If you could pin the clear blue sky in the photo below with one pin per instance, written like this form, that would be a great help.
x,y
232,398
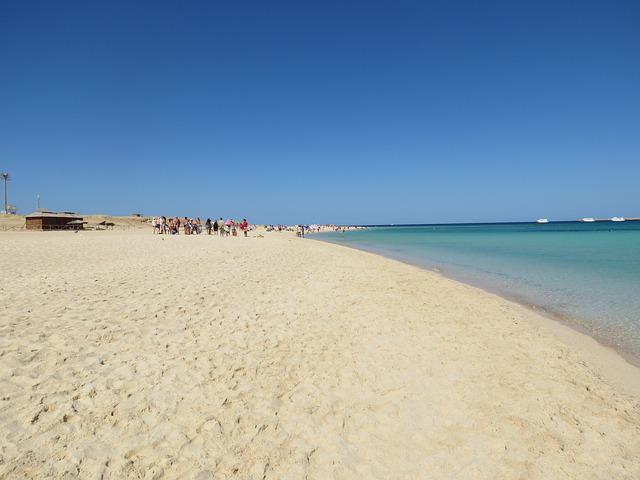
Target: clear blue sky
x,y
350,112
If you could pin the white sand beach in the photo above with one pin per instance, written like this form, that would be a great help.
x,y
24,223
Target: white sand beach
x,y
131,355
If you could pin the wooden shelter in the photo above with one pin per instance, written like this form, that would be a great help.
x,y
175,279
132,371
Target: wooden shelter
x,y
54,221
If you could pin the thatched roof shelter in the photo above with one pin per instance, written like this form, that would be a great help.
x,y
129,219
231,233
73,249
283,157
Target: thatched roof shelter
x,y
44,220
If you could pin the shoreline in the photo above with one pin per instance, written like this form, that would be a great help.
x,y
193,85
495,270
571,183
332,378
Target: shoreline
x,y
618,365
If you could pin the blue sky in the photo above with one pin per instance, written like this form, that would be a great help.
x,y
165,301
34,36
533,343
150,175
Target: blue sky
x,y
347,112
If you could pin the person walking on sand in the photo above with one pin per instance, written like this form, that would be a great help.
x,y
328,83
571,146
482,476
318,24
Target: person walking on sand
x,y
244,226
215,227
207,225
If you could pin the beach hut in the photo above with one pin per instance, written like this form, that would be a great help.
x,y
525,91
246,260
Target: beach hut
x,y
54,221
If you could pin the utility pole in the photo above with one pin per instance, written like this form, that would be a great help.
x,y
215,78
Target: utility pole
x,y
5,177
37,202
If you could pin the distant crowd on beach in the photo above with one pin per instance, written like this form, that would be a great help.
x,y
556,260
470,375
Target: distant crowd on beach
x,y
301,230
194,226
190,226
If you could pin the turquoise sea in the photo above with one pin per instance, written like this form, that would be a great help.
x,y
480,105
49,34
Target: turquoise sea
x,y
586,273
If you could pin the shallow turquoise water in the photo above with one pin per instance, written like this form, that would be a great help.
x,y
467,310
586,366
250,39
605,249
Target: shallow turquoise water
x,y
586,272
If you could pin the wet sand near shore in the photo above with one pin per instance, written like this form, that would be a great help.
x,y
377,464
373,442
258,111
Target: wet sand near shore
x,y
618,365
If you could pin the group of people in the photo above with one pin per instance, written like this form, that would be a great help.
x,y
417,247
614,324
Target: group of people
x,y
171,226
298,229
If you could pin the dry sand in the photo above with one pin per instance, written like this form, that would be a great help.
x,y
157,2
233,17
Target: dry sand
x,y
129,355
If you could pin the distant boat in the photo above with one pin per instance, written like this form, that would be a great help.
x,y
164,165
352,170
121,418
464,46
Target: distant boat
x,y
618,219
588,219
543,220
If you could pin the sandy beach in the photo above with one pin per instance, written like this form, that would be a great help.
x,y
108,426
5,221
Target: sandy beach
x,y
130,355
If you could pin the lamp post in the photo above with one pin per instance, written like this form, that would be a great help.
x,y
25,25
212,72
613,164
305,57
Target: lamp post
x,y
5,177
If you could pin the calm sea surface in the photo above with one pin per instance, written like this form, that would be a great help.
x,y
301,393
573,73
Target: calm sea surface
x,y
588,273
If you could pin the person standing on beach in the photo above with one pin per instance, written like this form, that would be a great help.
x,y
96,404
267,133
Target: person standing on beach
x,y
207,225
215,227
244,226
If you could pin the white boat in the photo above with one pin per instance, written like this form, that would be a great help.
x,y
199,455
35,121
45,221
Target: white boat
x,y
617,219
542,220
588,219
